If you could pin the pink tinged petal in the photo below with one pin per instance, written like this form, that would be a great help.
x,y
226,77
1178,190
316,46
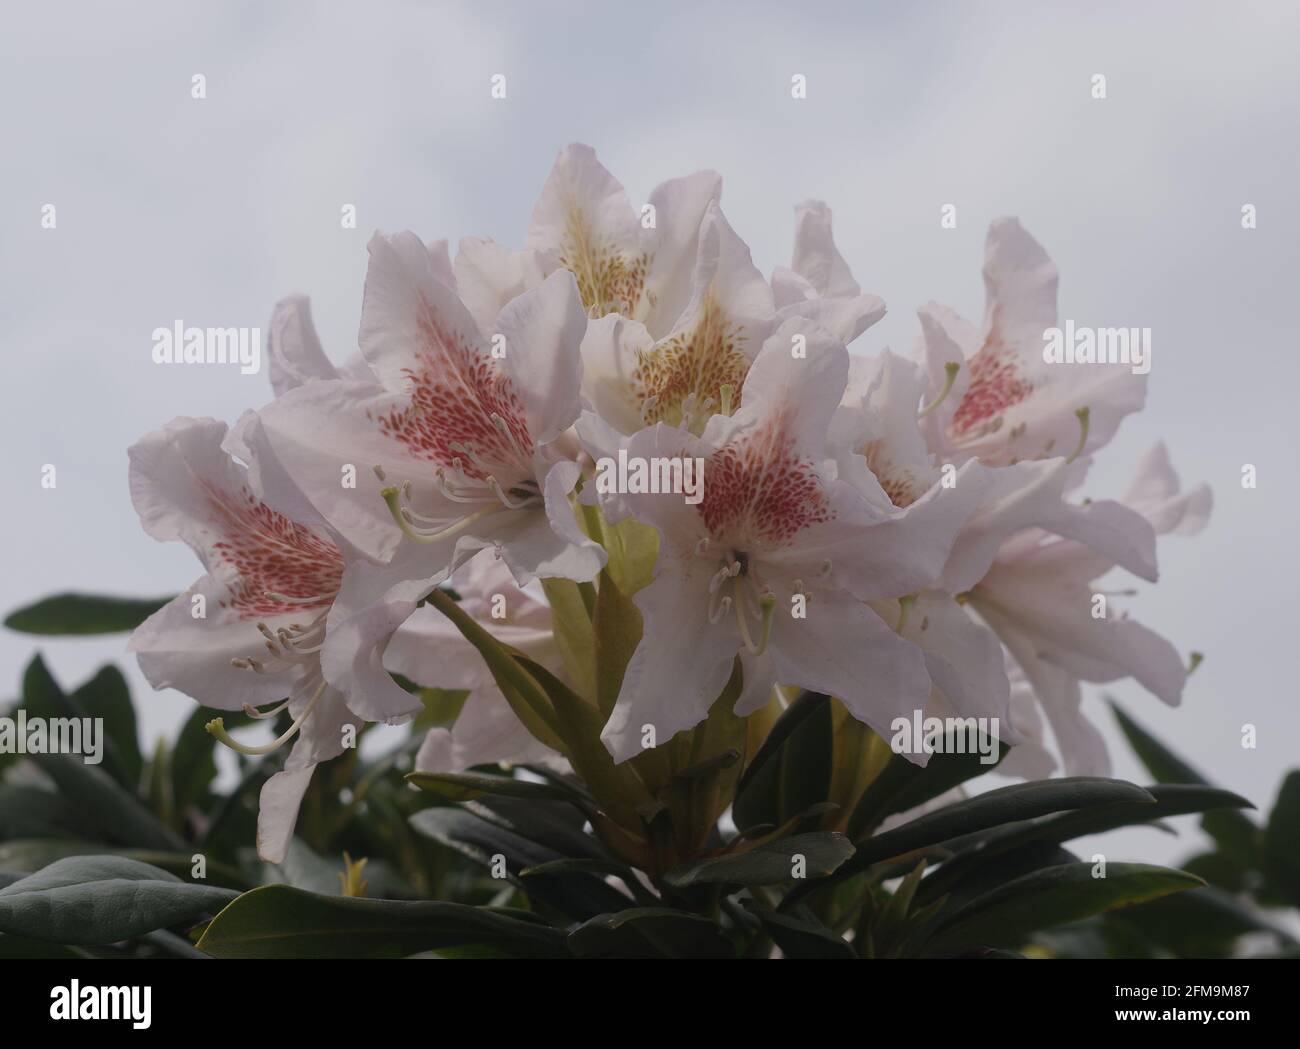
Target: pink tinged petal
x,y
1030,758
440,262
1029,495
488,275
1083,750
946,339
1017,406
184,485
375,601
790,288
277,812
846,319
845,650
551,544
311,445
355,369
543,331
410,319
330,728
584,219
798,393
680,205
879,555
681,664
677,521
1020,286
720,332
423,343
429,650
758,680
1156,494
964,659
885,392
176,650
486,733
1122,535
293,348
815,256
611,350
1059,622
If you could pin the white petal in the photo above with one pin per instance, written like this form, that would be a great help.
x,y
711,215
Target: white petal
x,y
845,650
815,256
293,347
551,544
277,812
489,275
681,665
176,650
543,330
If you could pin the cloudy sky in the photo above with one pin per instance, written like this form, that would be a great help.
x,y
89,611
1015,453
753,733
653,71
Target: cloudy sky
x,y
207,211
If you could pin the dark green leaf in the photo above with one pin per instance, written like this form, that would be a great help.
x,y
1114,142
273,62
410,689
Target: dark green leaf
x,y
277,921
579,896
1047,897
102,899
650,932
1282,841
120,816
792,770
24,948
84,614
466,786
107,696
1020,801
1171,799
30,812
770,863
1202,923
904,785
802,936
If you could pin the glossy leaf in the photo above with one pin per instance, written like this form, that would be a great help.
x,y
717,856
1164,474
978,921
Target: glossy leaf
x,y
277,921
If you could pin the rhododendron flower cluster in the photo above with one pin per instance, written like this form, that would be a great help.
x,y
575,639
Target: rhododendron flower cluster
x,y
901,531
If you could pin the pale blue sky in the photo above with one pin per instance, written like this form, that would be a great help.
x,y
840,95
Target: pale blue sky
x,y
209,211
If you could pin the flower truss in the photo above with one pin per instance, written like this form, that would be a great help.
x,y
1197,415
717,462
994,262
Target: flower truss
x,y
641,512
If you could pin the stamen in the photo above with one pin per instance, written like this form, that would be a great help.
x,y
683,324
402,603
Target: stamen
x,y
402,516
1083,416
767,604
725,392
495,487
720,577
950,376
702,547
379,472
253,712
648,406
904,607
500,423
217,727
1194,661
716,614
285,599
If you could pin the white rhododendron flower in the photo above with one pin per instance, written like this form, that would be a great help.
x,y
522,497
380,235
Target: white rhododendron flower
x,y
438,511
249,632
